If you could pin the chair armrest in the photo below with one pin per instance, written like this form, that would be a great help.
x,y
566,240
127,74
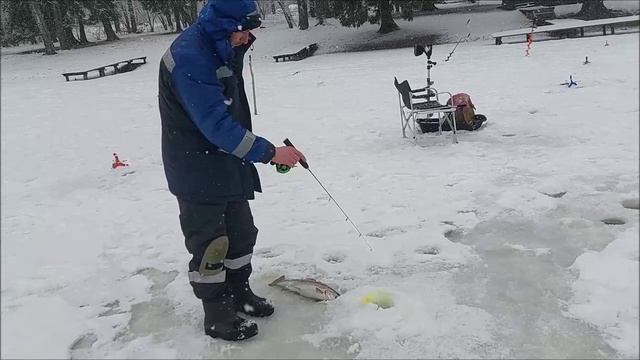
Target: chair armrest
x,y
418,90
446,93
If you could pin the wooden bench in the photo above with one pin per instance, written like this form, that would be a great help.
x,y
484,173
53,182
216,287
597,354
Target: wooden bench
x,y
119,67
514,4
302,54
539,14
574,24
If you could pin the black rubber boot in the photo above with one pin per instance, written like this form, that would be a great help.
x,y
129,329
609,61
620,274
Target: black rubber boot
x,y
221,321
249,303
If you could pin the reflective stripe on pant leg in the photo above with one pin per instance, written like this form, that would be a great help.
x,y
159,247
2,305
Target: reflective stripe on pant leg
x,y
237,263
218,278
242,235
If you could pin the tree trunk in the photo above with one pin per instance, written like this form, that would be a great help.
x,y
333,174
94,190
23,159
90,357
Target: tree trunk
x,y
151,19
163,21
108,30
312,8
303,15
68,34
36,10
81,30
287,14
194,11
321,10
122,4
127,24
273,7
185,15
116,23
49,18
132,16
593,9
387,24
65,44
167,16
176,15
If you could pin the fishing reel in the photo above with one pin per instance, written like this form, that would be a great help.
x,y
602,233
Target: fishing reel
x,y
281,168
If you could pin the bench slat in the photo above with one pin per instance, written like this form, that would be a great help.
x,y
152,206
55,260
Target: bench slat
x,y
610,21
101,69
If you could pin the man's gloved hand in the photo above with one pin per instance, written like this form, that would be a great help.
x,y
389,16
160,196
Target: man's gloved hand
x,y
287,155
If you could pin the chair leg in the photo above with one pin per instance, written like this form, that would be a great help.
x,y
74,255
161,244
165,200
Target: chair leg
x,y
414,130
402,118
452,123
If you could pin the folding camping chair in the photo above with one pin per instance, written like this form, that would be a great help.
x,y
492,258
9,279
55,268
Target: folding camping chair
x,y
410,109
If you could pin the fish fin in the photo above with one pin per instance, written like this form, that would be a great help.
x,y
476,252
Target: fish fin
x,y
276,281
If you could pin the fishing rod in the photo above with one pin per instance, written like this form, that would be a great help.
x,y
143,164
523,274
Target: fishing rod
x,y
454,48
253,82
284,169
458,43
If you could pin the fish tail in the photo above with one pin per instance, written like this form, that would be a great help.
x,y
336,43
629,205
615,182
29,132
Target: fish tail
x,y
276,281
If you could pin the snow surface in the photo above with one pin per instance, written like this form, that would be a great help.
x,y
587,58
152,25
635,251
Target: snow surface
x,y
483,254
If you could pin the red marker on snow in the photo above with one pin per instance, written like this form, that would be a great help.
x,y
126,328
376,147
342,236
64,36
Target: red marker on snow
x,y
116,162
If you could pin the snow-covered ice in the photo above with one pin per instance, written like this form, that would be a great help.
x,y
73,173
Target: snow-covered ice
x,y
493,247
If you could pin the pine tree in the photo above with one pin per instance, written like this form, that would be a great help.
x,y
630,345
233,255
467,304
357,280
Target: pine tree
x,y
18,23
322,8
170,10
355,13
105,12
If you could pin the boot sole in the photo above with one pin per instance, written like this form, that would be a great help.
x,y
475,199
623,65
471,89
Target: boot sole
x,y
255,315
216,336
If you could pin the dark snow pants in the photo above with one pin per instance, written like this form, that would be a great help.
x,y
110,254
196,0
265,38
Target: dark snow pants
x,y
221,238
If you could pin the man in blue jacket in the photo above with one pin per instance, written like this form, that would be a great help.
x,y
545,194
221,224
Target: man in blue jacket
x,y
208,151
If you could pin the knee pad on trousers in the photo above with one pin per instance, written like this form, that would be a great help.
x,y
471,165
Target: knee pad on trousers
x,y
213,257
211,269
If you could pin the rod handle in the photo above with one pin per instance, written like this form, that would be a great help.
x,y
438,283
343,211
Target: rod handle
x,y
302,162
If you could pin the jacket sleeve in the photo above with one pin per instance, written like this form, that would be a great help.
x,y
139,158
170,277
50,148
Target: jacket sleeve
x,y
201,93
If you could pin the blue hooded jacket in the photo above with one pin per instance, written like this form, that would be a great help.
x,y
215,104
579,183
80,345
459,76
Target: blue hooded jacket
x,y
207,144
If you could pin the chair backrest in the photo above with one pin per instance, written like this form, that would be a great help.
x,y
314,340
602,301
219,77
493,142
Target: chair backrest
x,y
405,91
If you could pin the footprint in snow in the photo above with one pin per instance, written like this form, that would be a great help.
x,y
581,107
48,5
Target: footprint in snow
x,y
83,342
556,195
113,308
614,221
386,231
428,250
268,253
454,235
334,258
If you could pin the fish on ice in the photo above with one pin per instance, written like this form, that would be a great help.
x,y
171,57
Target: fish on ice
x,y
308,288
